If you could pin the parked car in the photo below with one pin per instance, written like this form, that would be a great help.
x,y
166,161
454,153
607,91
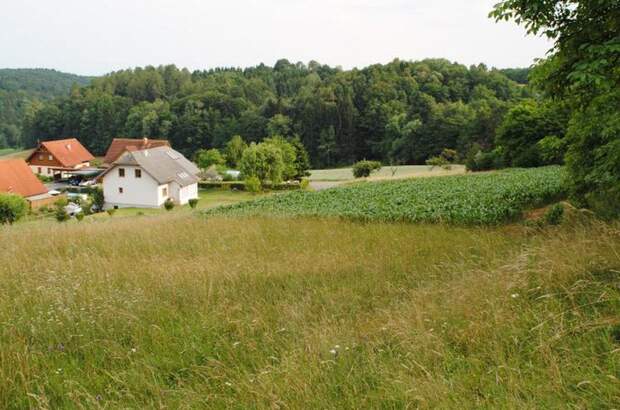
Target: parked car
x,y
73,209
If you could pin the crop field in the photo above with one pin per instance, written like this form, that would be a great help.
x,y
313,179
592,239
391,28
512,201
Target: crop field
x,y
487,198
386,172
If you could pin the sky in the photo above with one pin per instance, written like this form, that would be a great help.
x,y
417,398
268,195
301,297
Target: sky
x,y
93,37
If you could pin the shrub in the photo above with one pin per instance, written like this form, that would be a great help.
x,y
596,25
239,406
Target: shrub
x,y
554,214
253,185
60,214
364,168
304,183
169,204
79,217
12,208
438,161
98,198
478,160
193,203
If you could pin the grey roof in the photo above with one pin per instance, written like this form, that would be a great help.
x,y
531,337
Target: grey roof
x,y
162,163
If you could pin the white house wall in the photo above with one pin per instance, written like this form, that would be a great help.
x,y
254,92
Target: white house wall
x,y
187,193
142,192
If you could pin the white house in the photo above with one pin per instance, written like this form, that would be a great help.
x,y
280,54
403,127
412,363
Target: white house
x,y
147,178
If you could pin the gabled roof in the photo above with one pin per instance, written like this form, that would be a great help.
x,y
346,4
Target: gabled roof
x,y
16,177
120,145
69,152
162,163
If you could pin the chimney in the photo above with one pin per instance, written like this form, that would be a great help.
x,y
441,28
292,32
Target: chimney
x,y
69,147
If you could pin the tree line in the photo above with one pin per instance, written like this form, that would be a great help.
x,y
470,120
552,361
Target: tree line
x,y
402,112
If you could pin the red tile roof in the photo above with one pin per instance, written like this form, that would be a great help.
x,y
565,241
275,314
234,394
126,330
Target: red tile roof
x,y
69,152
120,145
16,177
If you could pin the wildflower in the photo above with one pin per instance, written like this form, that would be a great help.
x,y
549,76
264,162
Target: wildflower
x,y
333,351
337,347
133,350
236,344
228,384
514,295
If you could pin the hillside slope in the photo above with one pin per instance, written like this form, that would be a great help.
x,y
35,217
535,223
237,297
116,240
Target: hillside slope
x,y
20,87
297,313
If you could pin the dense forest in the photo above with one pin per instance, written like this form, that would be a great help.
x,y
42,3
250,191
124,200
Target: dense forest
x,y
24,89
401,112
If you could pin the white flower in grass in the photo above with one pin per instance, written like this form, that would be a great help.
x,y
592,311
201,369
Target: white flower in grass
x,y
133,350
333,351
229,384
514,295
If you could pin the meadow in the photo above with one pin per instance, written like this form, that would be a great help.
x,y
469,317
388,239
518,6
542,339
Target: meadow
x,y
180,311
485,198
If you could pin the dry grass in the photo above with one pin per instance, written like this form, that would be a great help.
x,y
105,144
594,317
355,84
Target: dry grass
x,y
181,312
385,173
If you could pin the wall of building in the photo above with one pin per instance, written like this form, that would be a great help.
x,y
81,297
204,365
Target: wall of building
x,y
142,192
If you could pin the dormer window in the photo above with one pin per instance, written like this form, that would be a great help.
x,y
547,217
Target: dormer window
x,y
121,172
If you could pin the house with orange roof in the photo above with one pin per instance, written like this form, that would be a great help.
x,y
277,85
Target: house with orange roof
x,y
120,145
17,178
56,158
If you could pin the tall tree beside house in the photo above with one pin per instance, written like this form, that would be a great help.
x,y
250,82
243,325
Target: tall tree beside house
x,y
582,70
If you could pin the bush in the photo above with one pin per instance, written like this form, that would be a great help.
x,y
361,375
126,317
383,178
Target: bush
x,y
253,185
79,217
478,160
304,183
169,204
98,198
554,214
60,214
364,168
193,203
12,208
438,161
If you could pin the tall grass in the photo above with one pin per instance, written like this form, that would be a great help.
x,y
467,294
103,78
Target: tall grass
x,y
181,312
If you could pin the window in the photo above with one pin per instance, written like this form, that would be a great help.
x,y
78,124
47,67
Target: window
x,y
138,173
39,170
49,171
50,157
121,172
164,191
41,157
120,189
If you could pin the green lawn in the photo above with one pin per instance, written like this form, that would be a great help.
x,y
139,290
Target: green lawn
x,y
210,198
7,151
402,171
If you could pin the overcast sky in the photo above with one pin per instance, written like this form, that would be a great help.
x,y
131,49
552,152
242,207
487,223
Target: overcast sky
x,y
93,37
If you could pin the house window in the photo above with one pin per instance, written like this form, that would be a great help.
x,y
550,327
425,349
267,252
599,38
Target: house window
x,y
50,157
120,189
121,172
164,191
49,171
41,157
138,173
39,170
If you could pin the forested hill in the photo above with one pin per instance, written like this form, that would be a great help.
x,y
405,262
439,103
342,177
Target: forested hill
x,y
23,87
398,112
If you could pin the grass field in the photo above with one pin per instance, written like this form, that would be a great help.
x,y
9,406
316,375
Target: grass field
x,y
180,311
13,153
207,199
486,198
386,172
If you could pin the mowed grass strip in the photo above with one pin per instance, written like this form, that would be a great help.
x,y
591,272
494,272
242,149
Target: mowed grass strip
x,y
485,199
184,312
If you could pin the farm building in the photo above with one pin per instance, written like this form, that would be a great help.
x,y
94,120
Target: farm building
x,y
120,145
58,158
147,178
17,178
